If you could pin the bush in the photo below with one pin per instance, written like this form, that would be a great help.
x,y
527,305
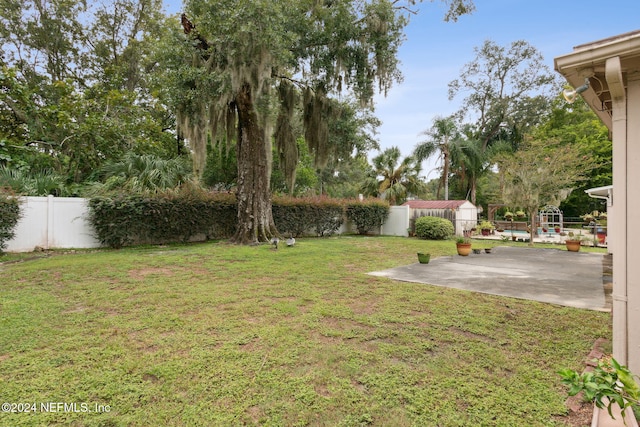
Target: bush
x,y
294,216
434,228
368,214
9,216
170,216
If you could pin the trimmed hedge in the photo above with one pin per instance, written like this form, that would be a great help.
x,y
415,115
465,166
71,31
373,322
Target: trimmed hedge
x,y
294,216
170,216
9,216
181,215
367,214
434,228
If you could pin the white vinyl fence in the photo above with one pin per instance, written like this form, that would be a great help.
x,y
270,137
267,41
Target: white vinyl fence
x,y
52,222
61,222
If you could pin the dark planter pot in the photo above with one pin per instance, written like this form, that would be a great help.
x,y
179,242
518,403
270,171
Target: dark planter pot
x,y
487,250
485,231
477,251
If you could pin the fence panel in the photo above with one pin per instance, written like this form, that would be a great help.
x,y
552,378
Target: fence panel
x,y
52,222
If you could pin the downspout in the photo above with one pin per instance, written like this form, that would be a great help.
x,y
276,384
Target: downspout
x,y
613,74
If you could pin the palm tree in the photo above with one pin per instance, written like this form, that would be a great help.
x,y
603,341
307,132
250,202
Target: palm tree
x,y
393,178
140,173
442,135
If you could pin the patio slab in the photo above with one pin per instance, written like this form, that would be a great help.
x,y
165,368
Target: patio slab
x,y
546,275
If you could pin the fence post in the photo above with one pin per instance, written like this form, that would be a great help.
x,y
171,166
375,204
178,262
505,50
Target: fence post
x,y
50,223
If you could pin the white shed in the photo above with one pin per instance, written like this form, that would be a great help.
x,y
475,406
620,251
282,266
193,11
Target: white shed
x,y
462,213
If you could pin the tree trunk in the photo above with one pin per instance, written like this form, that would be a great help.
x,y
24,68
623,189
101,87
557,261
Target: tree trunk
x,y
534,226
255,220
445,175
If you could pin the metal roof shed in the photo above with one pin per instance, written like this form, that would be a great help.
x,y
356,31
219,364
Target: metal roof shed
x,y
462,213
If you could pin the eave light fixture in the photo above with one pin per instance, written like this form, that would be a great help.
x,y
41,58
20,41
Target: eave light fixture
x,y
570,95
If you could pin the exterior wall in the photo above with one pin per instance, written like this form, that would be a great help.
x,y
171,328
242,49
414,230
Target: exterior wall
x,y
632,214
466,219
615,63
52,222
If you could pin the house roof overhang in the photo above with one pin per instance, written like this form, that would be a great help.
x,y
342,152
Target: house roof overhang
x,y
588,61
605,192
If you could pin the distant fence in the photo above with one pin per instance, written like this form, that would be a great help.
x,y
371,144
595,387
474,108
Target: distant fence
x,y
52,222
61,222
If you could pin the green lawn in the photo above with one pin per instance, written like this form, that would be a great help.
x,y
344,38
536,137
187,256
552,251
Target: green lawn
x,y
220,335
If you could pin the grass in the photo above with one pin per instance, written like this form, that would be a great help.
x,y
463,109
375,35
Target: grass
x,y
219,335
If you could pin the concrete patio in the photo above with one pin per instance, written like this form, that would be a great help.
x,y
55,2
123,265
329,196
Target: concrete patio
x,y
555,276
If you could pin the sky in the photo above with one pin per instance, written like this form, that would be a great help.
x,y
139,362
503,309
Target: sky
x,y
435,52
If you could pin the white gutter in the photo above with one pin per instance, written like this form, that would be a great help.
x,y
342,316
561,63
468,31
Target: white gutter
x,y
613,74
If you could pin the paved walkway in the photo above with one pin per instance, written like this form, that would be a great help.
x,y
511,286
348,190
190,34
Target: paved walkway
x,y
547,275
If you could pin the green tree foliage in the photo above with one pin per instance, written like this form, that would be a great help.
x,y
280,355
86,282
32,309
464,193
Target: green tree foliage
x,y
508,94
9,216
33,182
542,172
221,170
442,139
77,86
306,180
394,178
265,57
145,173
576,124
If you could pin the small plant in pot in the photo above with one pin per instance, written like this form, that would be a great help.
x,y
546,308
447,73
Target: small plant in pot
x,y
573,242
463,246
486,228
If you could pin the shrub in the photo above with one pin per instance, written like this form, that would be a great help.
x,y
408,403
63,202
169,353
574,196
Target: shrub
x,y
434,228
368,214
9,216
294,216
169,216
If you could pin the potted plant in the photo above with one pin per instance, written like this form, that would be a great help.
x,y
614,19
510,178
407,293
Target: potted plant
x,y
508,215
463,245
485,228
609,383
556,228
573,242
424,258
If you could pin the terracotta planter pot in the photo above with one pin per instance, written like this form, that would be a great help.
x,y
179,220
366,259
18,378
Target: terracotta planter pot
x,y
572,245
464,249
